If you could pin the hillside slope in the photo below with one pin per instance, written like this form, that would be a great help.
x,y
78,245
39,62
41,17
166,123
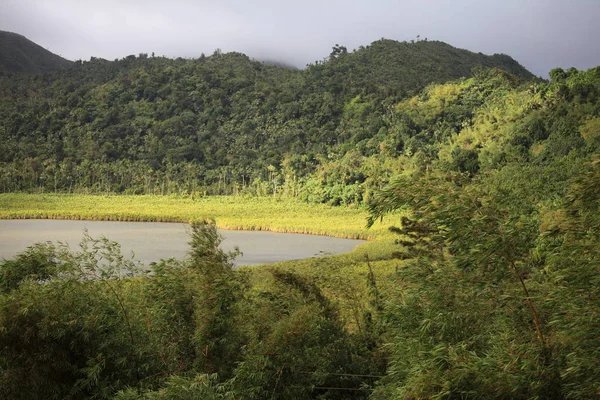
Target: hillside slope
x,y
19,54
220,123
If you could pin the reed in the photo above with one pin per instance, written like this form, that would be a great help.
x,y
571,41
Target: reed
x,y
237,213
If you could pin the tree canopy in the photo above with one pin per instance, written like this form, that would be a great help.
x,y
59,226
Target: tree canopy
x,y
218,124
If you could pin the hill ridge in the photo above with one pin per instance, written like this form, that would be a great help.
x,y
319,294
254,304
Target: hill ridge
x,y
19,54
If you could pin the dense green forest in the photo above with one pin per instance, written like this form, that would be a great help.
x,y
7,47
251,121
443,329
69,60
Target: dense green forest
x,y
489,179
221,124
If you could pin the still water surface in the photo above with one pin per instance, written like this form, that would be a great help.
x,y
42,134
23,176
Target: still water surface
x,y
152,241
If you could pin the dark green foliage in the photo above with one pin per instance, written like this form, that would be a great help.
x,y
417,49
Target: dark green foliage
x,y
569,248
217,337
101,328
18,54
36,263
389,66
467,310
74,335
319,353
465,161
180,388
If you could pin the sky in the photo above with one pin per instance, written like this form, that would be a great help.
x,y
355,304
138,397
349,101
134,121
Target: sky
x,y
540,34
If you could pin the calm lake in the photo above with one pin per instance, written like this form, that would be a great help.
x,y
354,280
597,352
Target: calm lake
x,y
151,241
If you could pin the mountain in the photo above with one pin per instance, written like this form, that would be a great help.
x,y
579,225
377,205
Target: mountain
x,y
19,54
219,121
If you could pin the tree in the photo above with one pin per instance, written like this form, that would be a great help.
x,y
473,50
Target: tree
x,y
217,337
472,262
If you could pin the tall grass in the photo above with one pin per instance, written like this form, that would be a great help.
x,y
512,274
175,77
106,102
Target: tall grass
x,y
239,213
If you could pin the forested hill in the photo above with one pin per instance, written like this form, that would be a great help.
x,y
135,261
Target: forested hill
x,y
399,67
217,124
19,54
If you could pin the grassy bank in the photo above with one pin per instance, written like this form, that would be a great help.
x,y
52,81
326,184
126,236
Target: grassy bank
x,y
230,212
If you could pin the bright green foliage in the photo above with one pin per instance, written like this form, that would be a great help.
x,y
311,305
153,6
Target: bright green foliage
x,y
222,124
498,297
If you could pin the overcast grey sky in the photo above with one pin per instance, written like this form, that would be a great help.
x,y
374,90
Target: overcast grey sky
x,y
540,34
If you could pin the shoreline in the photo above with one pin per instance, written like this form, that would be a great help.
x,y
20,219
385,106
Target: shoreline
x,y
230,213
176,221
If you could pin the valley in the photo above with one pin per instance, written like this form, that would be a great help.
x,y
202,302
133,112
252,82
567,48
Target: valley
x,y
474,183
